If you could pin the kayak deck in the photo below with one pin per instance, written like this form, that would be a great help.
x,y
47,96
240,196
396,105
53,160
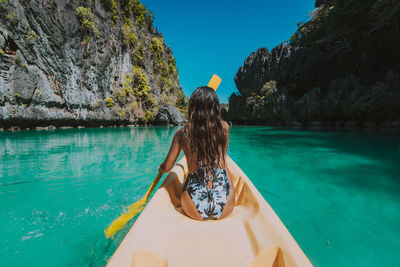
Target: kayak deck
x,y
252,235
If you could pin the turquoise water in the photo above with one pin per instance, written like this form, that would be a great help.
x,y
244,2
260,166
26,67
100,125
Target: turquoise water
x,y
337,192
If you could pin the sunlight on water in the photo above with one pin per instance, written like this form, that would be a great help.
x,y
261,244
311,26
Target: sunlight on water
x,y
337,192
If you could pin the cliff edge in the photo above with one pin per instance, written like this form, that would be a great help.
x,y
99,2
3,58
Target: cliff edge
x,y
342,67
83,63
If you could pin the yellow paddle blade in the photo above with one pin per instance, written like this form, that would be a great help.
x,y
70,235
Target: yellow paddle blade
x,y
214,82
134,209
120,222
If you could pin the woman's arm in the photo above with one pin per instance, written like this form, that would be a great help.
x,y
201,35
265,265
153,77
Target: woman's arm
x,y
226,128
173,154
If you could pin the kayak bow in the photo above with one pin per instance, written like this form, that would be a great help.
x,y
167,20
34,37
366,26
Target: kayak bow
x,y
252,235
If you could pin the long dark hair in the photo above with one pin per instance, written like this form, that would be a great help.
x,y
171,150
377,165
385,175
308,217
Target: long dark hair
x,y
207,137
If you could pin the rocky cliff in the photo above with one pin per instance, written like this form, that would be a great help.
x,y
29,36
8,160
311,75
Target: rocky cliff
x,y
80,62
341,67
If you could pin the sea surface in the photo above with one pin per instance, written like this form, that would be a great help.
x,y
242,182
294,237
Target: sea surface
x,y
338,192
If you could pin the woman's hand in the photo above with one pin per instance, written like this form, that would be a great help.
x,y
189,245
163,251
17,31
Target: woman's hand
x,y
161,168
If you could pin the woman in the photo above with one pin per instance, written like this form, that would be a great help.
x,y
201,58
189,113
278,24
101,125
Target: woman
x,y
208,191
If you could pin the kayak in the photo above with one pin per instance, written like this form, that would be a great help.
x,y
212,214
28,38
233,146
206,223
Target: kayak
x,y
252,235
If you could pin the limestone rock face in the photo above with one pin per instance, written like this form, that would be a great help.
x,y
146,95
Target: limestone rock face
x,y
334,70
168,114
82,62
283,63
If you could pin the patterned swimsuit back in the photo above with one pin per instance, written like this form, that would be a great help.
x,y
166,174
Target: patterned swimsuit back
x,y
209,202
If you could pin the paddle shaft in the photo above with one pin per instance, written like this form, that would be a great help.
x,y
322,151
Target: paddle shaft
x,y
153,185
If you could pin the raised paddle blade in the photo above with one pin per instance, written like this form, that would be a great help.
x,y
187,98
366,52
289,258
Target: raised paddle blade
x,y
214,82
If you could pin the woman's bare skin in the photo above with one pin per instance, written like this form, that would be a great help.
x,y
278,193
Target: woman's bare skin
x,y
181,142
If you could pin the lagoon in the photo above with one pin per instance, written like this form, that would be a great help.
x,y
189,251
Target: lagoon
x,y
338,192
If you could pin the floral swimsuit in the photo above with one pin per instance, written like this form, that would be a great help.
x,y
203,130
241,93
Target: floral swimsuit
x,y
209,202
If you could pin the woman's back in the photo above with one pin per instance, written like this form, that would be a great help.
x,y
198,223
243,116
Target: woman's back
x,y
191,159
208,193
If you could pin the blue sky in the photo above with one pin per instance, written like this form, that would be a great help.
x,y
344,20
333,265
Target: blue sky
x,y
210,37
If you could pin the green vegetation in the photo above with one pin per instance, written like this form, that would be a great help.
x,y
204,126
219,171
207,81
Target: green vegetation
x,y
151,100
172,65
122,112
157,53
268,88
135,109
139,12
181,102
109,102
129,36
1,52
141,15
166,83
86,20
149,115
12,16
135,96
17,95
138,56
364,34
3,1
162,68
308,28
31,36
157,48
141,87
122,93
111,5
135,84
25,66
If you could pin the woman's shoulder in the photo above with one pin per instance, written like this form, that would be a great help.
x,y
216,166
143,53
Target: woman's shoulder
x,y
225,125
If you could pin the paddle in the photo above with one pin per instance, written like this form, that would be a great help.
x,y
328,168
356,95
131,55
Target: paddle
x,y
138,206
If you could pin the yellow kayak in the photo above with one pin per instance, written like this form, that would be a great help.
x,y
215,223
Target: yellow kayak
x,y
252,235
